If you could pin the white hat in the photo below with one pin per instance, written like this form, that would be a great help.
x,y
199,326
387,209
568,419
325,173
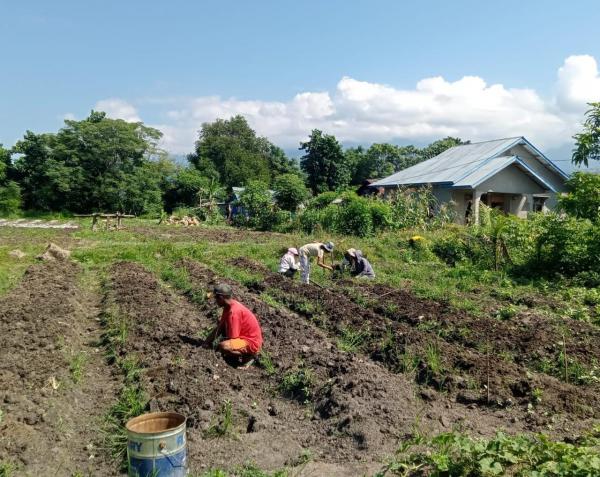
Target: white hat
x,y
328,246
293,250
351,252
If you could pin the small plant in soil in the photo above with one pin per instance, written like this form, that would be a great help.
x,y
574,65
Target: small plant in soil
x,y
7,468
351,340
77,366
298,384
507,312
265,361
224,422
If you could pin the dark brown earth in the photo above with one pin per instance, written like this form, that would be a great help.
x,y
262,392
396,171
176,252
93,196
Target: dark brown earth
x,y
50,423
358,411
467,369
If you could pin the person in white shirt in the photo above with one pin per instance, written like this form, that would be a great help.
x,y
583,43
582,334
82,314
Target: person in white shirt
x,y
318,250
288,264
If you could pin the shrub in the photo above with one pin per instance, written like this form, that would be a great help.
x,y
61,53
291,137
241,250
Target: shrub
x,y
290,191
355,218
10,198
451,249
323,200
583,199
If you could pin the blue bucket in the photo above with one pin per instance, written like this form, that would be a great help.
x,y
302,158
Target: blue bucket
x,y
156,445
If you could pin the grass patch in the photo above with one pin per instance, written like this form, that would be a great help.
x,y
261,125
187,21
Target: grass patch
x,y
77,366
352,340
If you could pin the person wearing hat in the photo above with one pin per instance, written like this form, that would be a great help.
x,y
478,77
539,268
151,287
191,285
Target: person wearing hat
x,y
288,264
359,266
238,325
316,249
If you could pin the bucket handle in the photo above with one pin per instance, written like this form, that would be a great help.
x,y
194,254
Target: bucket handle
x,y
168,457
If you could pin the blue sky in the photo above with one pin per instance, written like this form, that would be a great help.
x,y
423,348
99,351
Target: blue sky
x,y
357,69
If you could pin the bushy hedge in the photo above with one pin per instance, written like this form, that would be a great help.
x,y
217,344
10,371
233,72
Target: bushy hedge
x,y
544,245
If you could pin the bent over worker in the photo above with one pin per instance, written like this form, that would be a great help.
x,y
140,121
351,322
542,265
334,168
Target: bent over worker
x,y
318,250
360,266
239,326
288,265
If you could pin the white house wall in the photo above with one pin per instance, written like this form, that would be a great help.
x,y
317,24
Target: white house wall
x,y
511,180
551,177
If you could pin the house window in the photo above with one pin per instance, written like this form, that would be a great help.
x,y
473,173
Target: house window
x,y
538,204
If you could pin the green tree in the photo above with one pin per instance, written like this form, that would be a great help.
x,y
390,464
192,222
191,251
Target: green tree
x,y
257,201
439,146
583,198
10,193
230,151
290,191
324,163
382,160
184,187
95,164
587,142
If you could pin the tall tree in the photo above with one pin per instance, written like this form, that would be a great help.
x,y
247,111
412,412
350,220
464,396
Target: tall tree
x,y
10,193
587,142
230,151
382,160
94,164
439,146
324,163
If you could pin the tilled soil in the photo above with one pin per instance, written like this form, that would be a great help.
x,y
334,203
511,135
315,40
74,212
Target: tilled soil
x,y
49,422
357,412
468,369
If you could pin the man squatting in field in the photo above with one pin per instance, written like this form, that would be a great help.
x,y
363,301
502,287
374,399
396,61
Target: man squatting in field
x,y
288,266
318,250
239,326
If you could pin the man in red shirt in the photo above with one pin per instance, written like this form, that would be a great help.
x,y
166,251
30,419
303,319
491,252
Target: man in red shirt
x,y
243,336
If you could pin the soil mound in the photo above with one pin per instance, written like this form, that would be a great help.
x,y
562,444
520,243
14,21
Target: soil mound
x,y
53,253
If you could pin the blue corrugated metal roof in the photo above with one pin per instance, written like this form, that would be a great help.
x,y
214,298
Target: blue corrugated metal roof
x,y
464,165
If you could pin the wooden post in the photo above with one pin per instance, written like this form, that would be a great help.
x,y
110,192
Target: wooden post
x,y
476,201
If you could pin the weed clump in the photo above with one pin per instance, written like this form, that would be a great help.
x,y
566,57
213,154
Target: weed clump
x,y
298,384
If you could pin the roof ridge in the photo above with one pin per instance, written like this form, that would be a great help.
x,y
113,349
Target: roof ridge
x,y
490,140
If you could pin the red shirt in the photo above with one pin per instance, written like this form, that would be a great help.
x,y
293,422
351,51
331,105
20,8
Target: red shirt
x,y
240,322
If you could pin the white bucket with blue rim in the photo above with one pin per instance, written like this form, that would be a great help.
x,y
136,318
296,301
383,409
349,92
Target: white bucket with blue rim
x,y
157,445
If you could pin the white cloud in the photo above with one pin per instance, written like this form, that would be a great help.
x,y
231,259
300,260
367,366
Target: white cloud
x,y
361,111
578,83
118,109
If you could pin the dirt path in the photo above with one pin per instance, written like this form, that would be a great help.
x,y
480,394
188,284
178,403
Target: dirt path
x,y
54,384
463,372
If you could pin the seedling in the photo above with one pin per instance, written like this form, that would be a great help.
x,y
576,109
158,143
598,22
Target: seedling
x,y
224,424
265,361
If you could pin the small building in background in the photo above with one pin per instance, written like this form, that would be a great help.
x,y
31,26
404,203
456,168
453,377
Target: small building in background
x,y
507,174
367,189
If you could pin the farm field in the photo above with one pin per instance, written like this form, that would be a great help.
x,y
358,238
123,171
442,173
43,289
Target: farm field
x,y
349,370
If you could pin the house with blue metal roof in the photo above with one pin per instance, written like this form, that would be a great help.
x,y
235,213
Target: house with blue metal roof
x,y
508,174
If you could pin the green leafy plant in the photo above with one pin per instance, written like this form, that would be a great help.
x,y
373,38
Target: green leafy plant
x,y
454,454
298,384
77,366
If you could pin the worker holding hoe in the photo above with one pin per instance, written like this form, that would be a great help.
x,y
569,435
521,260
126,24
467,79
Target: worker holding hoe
x,y
317,250
239,326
